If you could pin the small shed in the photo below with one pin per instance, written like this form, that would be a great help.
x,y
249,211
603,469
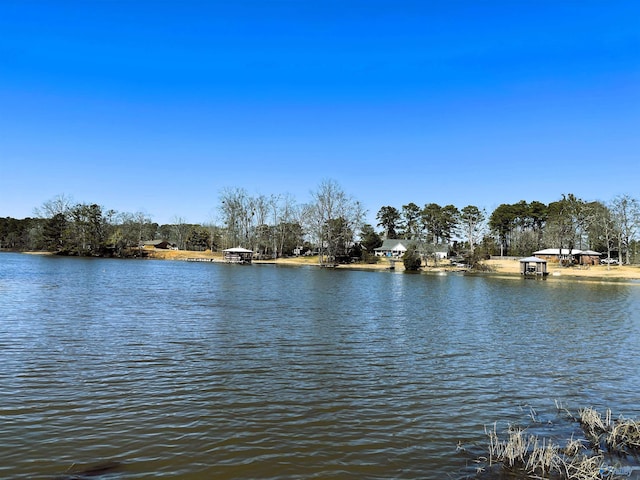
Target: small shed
x,y
237,255
533,266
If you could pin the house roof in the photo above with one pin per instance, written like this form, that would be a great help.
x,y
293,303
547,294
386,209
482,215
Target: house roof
x,y
556,251
565,251
237,250
532,260
392,244
437,248
155,242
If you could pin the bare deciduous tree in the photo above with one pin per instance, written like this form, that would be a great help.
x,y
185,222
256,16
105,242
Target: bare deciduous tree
x,y
626,214
332,218
180,231
602,227
58,205
237,215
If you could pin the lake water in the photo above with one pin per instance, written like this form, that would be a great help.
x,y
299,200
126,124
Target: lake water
x,y
198,370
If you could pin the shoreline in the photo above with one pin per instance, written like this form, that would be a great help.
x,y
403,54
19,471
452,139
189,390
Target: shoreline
x,y
500,267
507,268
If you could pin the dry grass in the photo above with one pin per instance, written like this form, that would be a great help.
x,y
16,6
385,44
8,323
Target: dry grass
x,y
621,436
593,421
596,272
594,426
541,458
573,447
624,436
526,452
585,467
537,458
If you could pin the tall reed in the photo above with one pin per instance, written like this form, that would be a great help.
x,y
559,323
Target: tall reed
x,y
537,458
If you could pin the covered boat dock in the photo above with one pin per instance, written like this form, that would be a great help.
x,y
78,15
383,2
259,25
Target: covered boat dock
x,y
533,266
237,255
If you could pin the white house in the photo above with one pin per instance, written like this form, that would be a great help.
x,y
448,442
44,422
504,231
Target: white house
x,y
440,251
391,248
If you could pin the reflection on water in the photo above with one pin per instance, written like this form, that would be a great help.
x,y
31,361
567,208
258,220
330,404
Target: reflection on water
x,y
190,370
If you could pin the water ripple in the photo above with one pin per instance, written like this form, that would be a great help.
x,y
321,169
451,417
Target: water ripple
x,y
176,370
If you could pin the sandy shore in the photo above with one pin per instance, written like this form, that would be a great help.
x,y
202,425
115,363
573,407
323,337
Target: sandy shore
x,y
496,267
613,272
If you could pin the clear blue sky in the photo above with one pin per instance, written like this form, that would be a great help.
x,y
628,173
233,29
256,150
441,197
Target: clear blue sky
x,y
157,106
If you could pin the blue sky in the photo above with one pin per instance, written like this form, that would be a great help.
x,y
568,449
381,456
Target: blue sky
x,y
158,106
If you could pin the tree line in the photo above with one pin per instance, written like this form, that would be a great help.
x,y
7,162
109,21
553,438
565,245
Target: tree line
x,y
332,225
87,229
521,228
271,226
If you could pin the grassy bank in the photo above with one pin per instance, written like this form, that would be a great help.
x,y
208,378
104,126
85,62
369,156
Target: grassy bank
x,y
603,272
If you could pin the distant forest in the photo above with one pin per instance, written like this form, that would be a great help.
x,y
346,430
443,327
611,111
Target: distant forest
x,y
332,225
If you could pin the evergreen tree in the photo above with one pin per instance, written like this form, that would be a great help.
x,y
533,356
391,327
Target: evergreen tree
x,y
389,218
411,259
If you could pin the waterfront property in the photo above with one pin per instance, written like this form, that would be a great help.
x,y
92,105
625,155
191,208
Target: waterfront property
x,y
395,248
161,244
588,257
566,256
391,248
441,251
